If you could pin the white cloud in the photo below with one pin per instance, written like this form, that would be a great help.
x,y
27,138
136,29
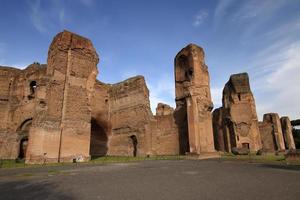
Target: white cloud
x,y
279,88
162,91
21,65
46,15
216,95
37,15
221,11
200,18
87,3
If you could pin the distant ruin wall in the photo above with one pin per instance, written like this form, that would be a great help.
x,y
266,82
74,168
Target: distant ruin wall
x,y
18,100
236,123
271,133
129,113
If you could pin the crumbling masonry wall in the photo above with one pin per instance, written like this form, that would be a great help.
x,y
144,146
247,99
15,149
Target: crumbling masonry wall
x,y
59,112
129,109
287,133
276,133
236,123
193,101
20,92
61,131
162,132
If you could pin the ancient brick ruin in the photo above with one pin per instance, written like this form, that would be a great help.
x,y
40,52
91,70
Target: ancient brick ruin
x,y
60,112
193,101
236,123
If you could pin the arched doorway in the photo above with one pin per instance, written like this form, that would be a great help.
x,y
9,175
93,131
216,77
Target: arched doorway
x,y
23,148
99,139
23,135
134,144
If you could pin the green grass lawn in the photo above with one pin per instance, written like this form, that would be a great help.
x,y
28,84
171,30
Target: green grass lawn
x,y
268,159
98,160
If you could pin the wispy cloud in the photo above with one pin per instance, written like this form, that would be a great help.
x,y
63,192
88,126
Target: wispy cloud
x,y
87,3
20,65
200,18
275,71
216,94
45,15
37,16
274,64
162,91
283,84
221,11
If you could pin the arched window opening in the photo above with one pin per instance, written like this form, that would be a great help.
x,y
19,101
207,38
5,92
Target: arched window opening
x,y
32,86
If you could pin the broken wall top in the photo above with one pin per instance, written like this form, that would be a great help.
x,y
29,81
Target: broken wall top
x,y
134,84
77,48
67,40
239,83
164,109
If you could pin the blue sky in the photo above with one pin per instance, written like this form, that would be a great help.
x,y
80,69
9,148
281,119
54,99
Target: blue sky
x,y
142,37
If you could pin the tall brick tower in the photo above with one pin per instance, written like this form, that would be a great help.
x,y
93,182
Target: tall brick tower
x,y
193,101
61,130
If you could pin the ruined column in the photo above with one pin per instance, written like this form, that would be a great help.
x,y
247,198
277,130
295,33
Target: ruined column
x,y
61,132
287,133
239,113
271,133
193,101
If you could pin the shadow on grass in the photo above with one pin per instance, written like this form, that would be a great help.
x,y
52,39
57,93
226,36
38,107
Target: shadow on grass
x,y
281,166
31,190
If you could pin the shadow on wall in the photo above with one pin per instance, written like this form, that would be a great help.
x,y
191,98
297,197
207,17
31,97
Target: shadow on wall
x,y
134,144
31,190
296,135
99,138
181,121
23,137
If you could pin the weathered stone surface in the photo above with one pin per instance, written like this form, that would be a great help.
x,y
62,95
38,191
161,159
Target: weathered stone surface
x,y
164,109
287,133
18,102
271,133
193,101
129,113
240,151
220,139
60,112
62,129
236,123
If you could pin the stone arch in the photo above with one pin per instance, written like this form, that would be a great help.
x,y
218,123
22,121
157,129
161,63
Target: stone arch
x,y
32,87
23,137
99,138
